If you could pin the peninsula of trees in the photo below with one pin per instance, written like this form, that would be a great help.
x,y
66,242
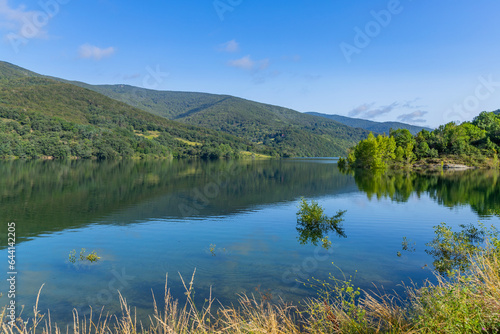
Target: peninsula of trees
x,y
474,143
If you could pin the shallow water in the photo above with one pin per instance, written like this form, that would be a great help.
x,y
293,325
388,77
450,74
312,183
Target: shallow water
x,y
147,219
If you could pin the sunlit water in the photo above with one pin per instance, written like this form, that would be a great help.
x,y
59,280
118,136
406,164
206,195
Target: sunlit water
x,y
233,222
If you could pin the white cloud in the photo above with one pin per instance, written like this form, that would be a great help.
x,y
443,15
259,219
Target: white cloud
x,y
88,51
23,22
231,46
247,63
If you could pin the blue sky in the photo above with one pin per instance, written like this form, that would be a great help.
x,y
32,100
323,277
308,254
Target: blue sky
x,y
421,62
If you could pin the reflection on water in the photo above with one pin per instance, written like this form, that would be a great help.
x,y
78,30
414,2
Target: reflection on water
x,y
146,219
53,196
478,189
314,226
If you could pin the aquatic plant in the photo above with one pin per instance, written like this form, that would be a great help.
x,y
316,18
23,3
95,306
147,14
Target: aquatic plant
x,y
92,257
468,302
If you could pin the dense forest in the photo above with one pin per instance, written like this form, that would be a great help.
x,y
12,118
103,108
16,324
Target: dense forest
x,y
474,143
283,130
44,117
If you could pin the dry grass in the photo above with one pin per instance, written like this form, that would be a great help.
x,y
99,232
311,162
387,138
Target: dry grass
x,y
467,303
249,316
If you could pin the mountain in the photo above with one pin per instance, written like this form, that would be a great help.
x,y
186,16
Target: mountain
x,y
40,117
377,127
286,131
9,72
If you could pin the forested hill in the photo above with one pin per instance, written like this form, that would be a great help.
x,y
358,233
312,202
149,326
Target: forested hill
x,y
377,127
290,132
44,117
9,72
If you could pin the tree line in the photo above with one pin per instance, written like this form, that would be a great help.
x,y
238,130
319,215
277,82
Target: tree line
x,y
473,143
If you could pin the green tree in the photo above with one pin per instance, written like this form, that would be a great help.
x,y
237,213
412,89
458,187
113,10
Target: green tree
x,y
313,225
403,137
365,153
423,150
487,121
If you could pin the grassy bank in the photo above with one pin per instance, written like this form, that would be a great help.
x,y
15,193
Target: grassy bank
x,y
466,301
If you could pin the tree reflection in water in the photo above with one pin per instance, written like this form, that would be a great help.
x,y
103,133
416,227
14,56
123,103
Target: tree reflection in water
x,y
479,189
314,226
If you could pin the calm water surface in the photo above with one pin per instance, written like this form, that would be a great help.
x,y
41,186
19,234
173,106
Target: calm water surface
x,y
147,219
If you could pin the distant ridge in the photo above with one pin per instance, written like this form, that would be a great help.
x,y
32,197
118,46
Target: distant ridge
x,y
42,116
378,127
288,131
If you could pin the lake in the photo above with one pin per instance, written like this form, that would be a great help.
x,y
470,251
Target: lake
x,y
233,222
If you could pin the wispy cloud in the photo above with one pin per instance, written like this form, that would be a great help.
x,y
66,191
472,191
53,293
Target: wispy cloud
x,y
232,46
411,104
381,111
264,76
131,76
312,77
413,117
88,51
366,111
20,21
247,63
361,109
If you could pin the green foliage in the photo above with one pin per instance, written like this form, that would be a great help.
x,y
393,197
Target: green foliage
x,y
452,250
473,142
276,130
41,117
464,303
403,137
478,189
407,246
91,257
337,308
374,152
70,112
487,121
342,163
313,225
